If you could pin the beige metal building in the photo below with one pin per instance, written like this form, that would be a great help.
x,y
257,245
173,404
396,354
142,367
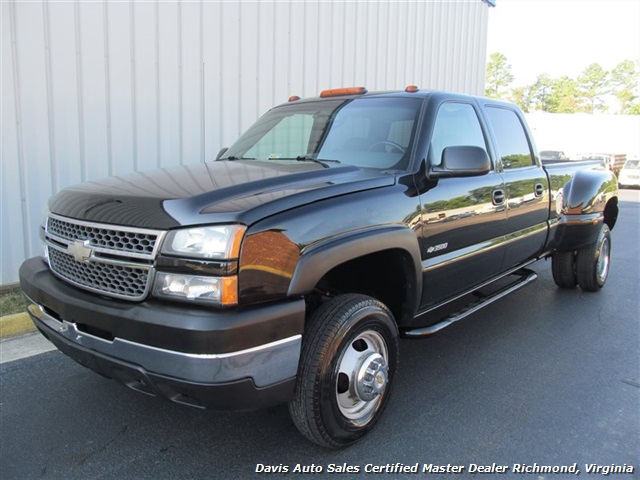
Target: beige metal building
x,y
91,89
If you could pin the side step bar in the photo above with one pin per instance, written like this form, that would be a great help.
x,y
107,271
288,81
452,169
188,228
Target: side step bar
x,y
526,277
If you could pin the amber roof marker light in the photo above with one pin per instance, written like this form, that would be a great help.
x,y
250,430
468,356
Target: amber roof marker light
x,y
294,98
336,92
412,89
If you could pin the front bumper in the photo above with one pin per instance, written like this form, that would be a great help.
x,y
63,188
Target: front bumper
x,y
251,364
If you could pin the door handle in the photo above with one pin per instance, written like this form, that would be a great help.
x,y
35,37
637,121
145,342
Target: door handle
x,y
498,197
538,190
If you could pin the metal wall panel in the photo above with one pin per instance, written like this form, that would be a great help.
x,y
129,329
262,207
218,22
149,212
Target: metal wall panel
x,y
91,89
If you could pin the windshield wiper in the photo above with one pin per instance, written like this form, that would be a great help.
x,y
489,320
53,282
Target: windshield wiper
x,y
232,157
307,158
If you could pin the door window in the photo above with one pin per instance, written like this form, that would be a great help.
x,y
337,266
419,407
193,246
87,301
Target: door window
x,y
511,138
456,124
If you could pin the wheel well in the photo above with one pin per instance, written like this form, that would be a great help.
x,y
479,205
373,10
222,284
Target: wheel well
x,y
611,212
388,276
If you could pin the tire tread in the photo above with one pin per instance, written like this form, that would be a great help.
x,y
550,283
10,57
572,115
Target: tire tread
x,y
563,267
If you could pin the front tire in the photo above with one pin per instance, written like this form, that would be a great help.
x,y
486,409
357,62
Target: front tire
x,y
348,362
592,262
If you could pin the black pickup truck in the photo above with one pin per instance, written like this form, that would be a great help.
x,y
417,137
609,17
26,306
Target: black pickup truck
x,y
286,270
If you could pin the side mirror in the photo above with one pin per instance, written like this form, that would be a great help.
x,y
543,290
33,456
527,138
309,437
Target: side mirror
x,y
462,161
221,153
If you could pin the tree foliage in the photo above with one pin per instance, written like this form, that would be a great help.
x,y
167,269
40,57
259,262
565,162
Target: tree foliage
x,y
625,83
565,97
498,77
593,85
541,92
522,96
587,93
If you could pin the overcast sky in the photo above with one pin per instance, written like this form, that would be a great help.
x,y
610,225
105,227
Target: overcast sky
x,y
562,37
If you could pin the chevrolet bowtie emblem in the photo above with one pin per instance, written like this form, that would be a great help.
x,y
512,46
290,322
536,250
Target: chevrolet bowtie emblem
x,y
80,250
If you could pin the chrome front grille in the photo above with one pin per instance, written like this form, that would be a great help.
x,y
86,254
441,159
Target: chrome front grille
x,y
110,237
107,259
123,281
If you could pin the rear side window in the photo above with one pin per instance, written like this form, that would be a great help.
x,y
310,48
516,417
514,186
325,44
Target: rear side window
x,y
456,124
511,138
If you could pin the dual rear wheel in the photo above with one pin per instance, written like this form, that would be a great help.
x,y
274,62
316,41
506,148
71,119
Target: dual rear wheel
x,y
588,267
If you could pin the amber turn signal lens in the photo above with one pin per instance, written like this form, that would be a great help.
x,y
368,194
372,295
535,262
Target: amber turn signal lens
x,y
343,91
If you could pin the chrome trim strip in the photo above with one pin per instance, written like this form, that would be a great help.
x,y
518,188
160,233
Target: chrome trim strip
x,y
479,248
266,364
108,261
526,232
51,238
461,254
585,219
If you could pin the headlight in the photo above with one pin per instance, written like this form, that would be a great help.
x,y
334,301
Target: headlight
x,y
220,242
216,242
218,290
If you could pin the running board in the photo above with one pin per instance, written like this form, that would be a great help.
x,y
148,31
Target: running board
x,y
526,277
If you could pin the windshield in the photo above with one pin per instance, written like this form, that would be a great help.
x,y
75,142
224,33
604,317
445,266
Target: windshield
x,y
367,132
632,164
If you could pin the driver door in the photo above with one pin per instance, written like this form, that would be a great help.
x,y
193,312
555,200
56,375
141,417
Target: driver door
x,y
463,218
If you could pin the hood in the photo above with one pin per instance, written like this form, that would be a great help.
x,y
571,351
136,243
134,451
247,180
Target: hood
x,y
241,191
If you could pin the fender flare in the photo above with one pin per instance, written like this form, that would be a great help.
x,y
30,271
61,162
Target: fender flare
x,y
319,259
588,192
581,205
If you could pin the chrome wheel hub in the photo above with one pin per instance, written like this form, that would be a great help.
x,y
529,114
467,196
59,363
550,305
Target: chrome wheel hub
x,y
372,377
602,266
363,375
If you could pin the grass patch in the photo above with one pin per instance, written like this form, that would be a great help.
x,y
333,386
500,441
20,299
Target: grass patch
x,y
11,301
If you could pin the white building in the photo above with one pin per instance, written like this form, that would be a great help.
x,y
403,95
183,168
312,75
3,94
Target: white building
x,y
95,89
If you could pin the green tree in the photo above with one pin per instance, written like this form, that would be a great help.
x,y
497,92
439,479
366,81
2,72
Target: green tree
x,y
564,97
522,96
541,92
593,84
498,77
625,83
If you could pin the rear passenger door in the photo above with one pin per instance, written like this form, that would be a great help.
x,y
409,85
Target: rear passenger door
x,y
463,218
526,186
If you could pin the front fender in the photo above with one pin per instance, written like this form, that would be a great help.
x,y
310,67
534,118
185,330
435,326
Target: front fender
x,y
319,259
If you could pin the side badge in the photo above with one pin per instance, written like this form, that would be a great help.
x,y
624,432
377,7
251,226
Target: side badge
x,y
437,248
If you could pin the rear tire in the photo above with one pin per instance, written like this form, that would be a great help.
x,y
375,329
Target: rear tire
x,y
593,261
563,267
348,362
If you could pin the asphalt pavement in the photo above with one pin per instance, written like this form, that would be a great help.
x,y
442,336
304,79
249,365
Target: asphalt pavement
x,y
544,377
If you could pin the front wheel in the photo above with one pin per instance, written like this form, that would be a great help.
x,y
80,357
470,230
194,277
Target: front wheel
x,y
592,262
348,362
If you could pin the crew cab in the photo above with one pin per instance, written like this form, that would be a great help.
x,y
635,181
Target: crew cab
x,y
286,270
